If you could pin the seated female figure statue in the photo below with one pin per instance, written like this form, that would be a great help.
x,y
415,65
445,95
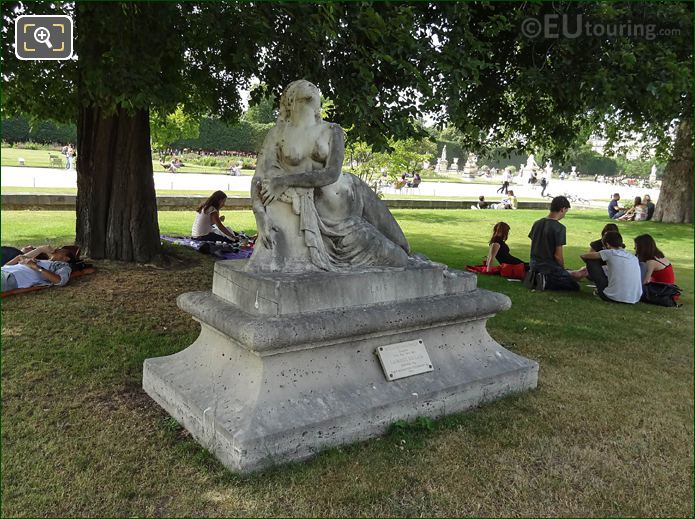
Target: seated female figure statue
x,y
310,215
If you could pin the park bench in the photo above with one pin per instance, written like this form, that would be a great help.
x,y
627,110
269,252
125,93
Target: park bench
x,y
55,160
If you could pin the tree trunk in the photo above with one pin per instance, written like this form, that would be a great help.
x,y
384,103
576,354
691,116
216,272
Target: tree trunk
x,y
116,200
675,203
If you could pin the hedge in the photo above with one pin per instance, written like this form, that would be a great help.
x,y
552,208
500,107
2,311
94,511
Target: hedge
x,y
216,135
18,129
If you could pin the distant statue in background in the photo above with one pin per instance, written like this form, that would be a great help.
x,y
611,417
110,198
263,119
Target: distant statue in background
x,y
311,216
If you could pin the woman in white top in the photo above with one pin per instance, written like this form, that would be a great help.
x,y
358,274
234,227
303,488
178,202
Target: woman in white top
x,y
638,212
209,214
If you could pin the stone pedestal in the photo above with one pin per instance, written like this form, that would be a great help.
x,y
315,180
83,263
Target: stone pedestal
x,y
285,365
442,166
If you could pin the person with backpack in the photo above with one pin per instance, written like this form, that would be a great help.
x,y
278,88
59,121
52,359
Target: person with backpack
x,y
658,277
657,268
621,281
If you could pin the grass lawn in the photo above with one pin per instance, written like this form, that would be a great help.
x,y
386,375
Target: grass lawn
x,y
609,431
169,192
73,191
40,159
32,158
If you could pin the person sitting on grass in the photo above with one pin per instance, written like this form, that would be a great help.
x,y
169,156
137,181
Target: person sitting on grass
x,y
482,204
548,237
26,271
209,215
621,281
638,212
594,246
656,267
597,245
508,203
416,181
499,249
614,209
650,206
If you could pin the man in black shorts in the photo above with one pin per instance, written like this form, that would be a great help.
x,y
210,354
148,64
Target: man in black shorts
x,y
548,236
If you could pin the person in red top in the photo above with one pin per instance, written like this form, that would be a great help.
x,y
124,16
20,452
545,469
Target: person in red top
x,y
657,268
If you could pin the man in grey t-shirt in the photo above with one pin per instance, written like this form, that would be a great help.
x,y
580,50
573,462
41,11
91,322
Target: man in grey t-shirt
x,y
548,237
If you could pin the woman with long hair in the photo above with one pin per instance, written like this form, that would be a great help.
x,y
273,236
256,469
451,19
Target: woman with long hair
x,y
209,215
657,268
638,212
499,249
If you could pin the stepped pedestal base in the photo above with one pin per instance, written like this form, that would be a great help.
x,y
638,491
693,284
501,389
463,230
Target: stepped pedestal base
x,y
264,384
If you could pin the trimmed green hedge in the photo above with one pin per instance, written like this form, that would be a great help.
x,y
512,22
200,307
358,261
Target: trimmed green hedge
x,y
216,135
18,129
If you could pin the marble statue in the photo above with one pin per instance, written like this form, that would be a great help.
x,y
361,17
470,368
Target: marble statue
x,y
652,175
470,168
530,167
442,164
549,169
332,331
310,215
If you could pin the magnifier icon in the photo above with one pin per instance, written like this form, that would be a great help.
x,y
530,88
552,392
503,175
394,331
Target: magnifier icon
x,y
43,35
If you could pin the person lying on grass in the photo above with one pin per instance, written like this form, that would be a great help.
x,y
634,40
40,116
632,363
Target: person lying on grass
x,y
621,282
26,271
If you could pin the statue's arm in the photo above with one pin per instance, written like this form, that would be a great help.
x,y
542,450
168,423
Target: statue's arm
x,y
263,222
314,178
377,213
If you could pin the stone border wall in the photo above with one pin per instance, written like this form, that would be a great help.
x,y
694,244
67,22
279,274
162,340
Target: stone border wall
x,y
57,202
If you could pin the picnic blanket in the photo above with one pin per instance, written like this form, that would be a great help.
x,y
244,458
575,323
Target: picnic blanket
x,y
74,274
207,247
505,270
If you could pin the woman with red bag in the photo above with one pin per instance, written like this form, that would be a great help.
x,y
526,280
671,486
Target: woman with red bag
x,y
512,267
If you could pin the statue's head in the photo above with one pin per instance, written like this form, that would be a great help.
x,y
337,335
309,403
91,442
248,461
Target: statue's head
x,y
300,95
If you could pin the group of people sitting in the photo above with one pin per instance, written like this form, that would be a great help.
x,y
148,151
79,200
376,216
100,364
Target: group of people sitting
x,y
642,209
173,166
619,276
404,182
508,202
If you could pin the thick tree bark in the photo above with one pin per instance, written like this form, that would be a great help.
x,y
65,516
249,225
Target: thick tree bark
x,y
675,203
116,200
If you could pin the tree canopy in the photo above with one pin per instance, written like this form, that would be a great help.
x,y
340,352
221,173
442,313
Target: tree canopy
x,y
382,65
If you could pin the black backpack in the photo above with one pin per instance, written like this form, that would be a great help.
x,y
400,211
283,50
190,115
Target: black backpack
x,y
661,294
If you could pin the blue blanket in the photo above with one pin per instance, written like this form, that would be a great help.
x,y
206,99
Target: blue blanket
x,y
196,245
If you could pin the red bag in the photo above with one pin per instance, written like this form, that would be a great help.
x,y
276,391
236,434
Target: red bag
x,y
508,270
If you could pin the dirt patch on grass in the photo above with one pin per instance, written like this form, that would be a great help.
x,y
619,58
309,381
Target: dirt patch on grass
x,y
144,290
129,397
